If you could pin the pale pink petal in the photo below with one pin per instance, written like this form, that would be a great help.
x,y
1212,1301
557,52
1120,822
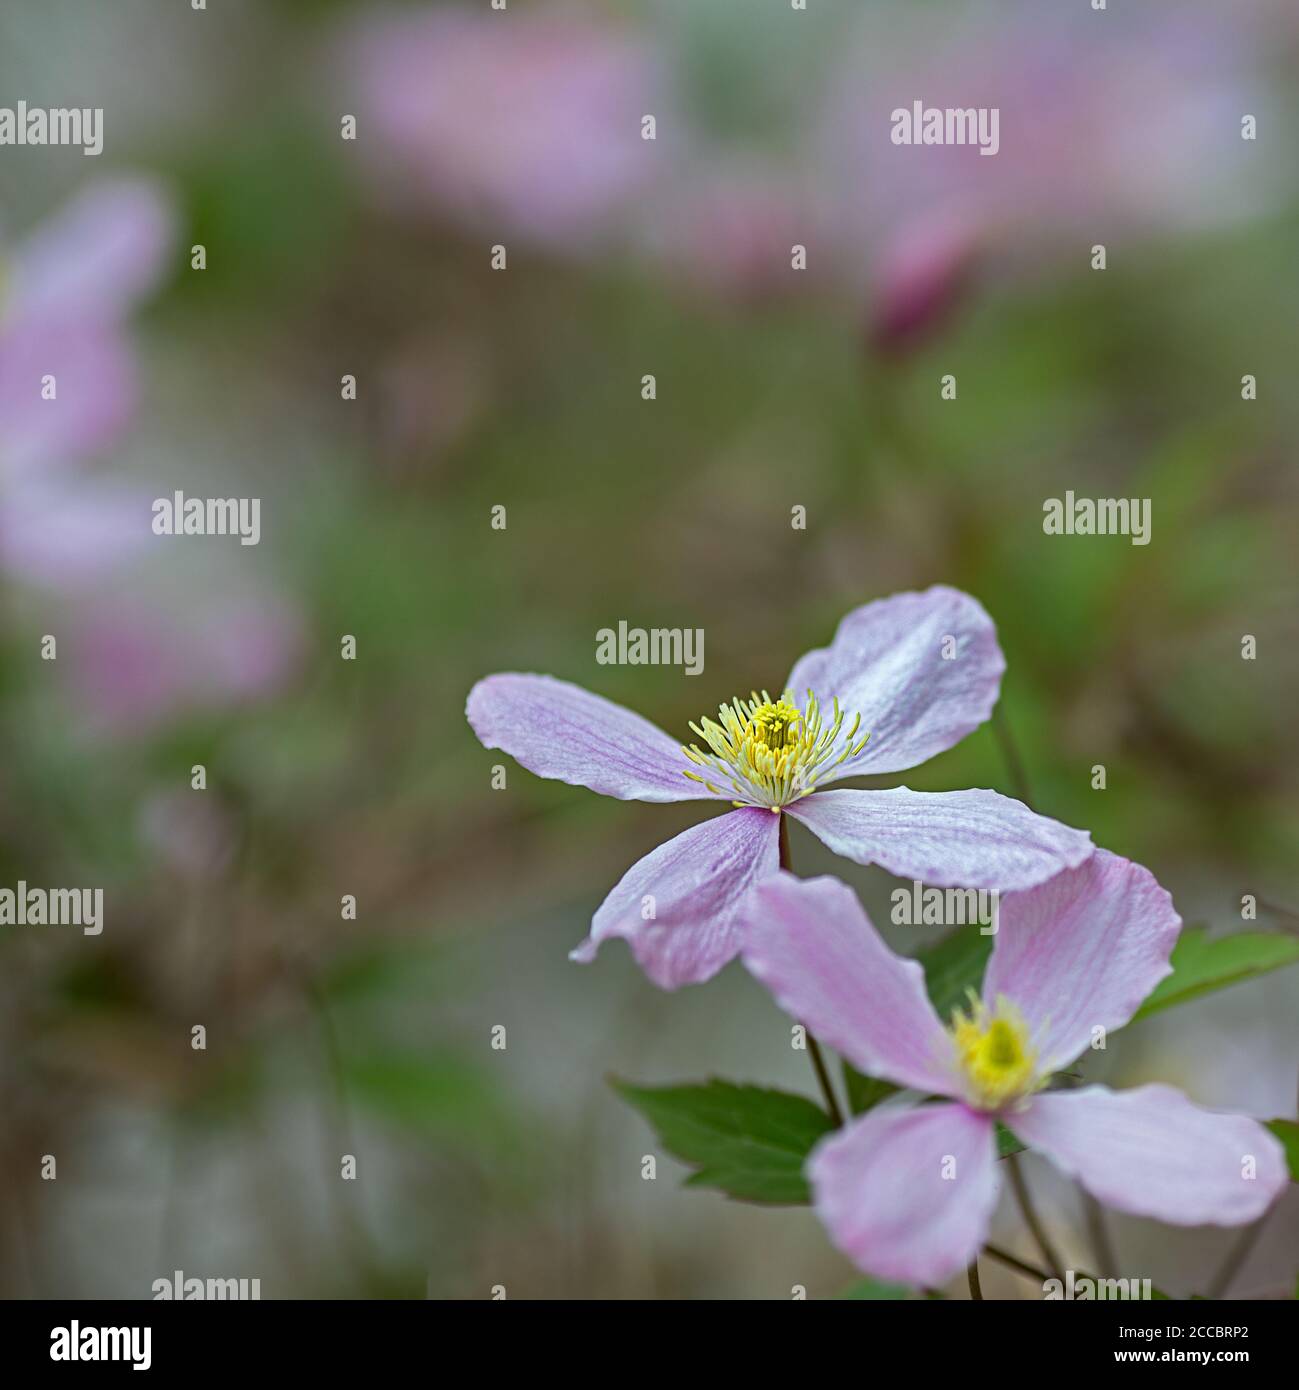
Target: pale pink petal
x,y
693,885
559,730
1082,951
908,1194
922,670
812,945
1151,1152
967,839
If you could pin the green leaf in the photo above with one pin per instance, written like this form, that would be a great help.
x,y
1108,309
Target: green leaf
x,y
746,1140
865,1091
1201,965
954,966
1287,1131
1007,1144
874,1288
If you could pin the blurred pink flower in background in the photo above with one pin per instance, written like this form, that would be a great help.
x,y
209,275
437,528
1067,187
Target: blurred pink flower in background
x,y
133,667
66,534
729,229
531,125
519,123
1102,138
65,295
919,278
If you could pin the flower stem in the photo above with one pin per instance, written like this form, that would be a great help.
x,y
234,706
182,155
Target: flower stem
x,y
822,1076
1014,1262
813,1047
1031,1219
1010,752
972,1273
1107,1264
1240,1251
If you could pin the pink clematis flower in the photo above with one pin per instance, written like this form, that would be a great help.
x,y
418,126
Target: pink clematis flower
x,y
905,678
907,1193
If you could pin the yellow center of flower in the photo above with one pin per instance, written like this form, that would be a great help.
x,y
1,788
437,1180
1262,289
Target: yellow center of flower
x,y
769,751
994,1054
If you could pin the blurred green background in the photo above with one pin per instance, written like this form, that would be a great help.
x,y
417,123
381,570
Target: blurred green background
x,y
479,1167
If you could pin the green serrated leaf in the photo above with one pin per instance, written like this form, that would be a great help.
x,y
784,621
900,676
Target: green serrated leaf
x,y
746,1140
1287,1131
1201,965
873,1289
954,966
864,1092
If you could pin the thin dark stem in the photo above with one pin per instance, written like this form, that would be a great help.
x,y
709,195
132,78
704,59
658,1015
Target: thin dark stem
x,y
1031,1219
1289,918
353,1231
1014,1262
1241,1249
1098,1234
822,1076
1010,751
972,1273
813,1047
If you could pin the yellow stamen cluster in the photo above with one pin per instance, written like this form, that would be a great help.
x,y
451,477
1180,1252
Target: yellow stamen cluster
x,y
994,1053
770,751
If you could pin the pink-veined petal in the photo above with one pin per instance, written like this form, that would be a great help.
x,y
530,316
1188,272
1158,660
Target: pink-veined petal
x,y
967,839
812,945
908,1194
559,730
694,885
1150,1152
922,670
1081,951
